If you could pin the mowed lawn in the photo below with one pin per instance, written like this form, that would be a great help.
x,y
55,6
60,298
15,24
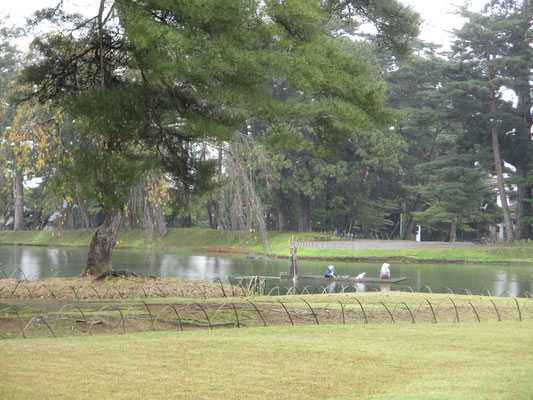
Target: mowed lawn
x,y
378,361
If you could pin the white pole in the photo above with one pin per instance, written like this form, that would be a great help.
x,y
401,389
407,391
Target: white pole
x,y
418,233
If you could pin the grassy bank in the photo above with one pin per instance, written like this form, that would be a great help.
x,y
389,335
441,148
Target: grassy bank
x,y
70,307
179,239
188,239
520,253
502,255
411,361
455,350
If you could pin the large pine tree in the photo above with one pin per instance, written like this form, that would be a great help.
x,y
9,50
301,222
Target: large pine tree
x,y
145,80
493,55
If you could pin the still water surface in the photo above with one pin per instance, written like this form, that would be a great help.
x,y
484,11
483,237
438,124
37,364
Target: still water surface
x,y
29,262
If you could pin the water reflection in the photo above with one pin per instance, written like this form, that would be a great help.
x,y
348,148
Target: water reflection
x,y
41,262
330,287
384,288
167,264
360,287
29,264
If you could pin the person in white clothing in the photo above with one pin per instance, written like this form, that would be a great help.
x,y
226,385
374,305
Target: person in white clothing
x,y
385,271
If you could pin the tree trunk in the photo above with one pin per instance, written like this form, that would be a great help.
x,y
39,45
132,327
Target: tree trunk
x,y
508,223
18,194
353,215
102,244
523,89
148,222
160,220
453,230
282,215
524,210
85,215
187,219
101,42
129,216
216,202
304,224
527,226
351,221
329,195
210,215
105,237
70,217
408,232
365,170
35,219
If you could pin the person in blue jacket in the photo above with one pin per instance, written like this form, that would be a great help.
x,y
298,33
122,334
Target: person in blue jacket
x,y
330,273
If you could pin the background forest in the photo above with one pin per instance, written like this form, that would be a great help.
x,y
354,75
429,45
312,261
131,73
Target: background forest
x,y
275,115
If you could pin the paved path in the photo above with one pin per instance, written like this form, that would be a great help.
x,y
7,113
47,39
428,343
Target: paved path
x,y
385,245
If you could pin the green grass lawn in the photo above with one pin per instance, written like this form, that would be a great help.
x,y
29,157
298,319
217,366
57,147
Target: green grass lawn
x,y
505,254
408,361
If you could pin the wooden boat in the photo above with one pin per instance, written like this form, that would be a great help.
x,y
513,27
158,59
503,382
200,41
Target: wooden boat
x,y
286,275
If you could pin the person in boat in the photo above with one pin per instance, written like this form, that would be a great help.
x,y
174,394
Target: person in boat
x,y
385,271
330,273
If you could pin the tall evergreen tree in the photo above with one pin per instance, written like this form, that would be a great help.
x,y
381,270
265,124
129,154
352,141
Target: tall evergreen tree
x,y
145,80
492,55
416,89
517,146
12,200
456,190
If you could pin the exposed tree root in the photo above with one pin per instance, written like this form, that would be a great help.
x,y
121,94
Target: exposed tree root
x,y
122,273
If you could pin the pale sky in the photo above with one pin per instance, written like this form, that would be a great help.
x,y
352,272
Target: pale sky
x,y
436,14
438,18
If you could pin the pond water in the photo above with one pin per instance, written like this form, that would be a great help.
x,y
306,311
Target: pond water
x,y
30,262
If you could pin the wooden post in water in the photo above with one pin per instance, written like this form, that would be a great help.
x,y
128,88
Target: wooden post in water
x,y
293,265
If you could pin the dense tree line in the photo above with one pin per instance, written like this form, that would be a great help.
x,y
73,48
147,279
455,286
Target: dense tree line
x,y
256,116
